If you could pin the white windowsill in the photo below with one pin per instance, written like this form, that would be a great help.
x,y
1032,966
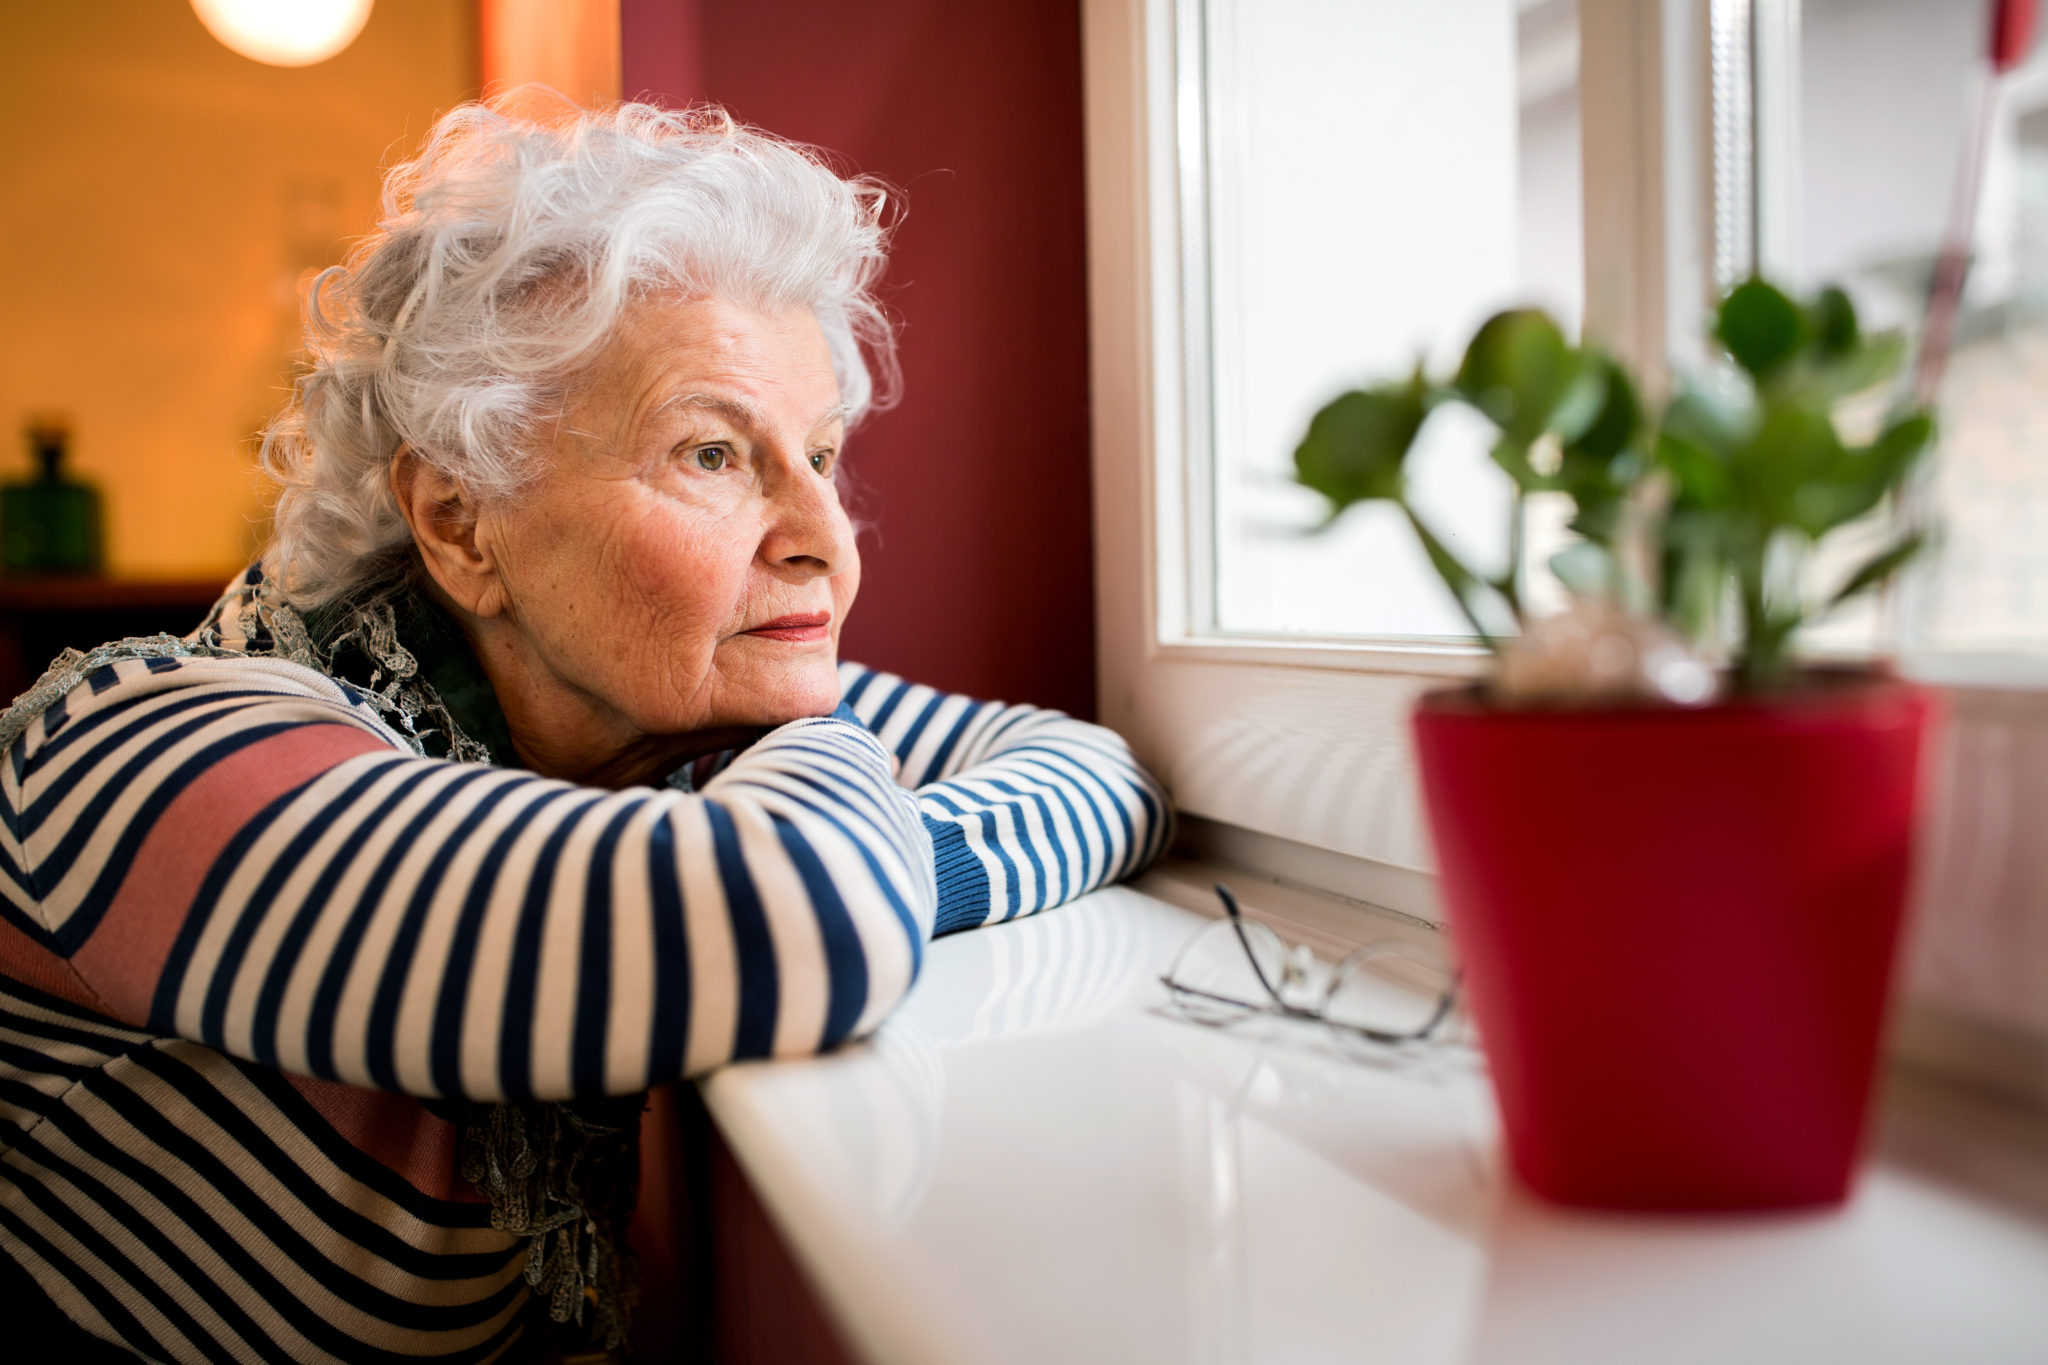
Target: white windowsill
x,y
1035,1161
1451,660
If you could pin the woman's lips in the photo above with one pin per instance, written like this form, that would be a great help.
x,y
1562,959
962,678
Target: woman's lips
x,y
795,629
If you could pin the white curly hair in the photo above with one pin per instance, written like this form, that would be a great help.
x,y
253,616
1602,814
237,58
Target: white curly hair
x,y
508,250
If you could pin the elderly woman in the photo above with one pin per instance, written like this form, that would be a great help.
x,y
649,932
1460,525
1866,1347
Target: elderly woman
x,y
340,940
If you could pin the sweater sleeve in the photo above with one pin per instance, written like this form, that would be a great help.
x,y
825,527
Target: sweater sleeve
x,y
1027,808
236,852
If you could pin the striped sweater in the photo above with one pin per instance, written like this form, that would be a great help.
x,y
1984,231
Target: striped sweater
x,y
251,946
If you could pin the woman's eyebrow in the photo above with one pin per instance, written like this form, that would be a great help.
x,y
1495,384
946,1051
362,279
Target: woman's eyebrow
x,y
744,415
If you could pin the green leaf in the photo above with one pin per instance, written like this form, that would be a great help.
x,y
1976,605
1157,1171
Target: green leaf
x,y
1861,478
1879,567
1791,473
1598,518
1518,371
1831,318
1762,329
1894,453
1613,424
1715,421
1355,446
1862,367
1579,406
1703,478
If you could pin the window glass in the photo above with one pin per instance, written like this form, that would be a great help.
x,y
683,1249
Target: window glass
x,y
1363,186
1887,92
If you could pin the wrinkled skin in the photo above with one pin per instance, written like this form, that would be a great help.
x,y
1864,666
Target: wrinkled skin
x,y
686,500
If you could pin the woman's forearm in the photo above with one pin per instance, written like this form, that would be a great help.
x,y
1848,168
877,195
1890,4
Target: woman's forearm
x,y
1027,808
312,899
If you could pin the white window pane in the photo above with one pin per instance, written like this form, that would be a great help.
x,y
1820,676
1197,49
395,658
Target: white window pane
x,y
1381,175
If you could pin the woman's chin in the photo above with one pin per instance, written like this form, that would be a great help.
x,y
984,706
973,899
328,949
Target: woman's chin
x,y
798,689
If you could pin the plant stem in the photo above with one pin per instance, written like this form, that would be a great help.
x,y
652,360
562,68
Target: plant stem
x,y
1762,660
1511,583
1459,579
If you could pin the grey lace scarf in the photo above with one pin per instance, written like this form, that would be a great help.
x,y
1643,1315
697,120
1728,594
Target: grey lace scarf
x,y
564,1176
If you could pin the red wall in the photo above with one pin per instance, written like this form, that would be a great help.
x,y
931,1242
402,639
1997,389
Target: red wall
x,y
979,575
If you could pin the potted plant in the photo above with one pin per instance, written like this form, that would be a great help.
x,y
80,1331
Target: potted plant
x,y
1673,858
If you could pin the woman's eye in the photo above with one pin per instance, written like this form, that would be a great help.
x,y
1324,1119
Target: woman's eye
x,y
711,457
821,460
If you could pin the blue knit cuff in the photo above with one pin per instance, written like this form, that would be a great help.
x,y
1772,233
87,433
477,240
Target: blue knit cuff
x,y
963,881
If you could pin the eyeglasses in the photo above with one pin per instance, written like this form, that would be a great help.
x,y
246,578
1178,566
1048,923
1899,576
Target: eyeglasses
x,y
1384,993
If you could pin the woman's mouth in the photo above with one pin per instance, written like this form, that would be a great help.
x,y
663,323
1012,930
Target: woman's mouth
x,y
795,629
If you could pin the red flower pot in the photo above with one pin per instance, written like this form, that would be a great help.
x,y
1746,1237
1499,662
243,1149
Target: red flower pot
x,y
1677,928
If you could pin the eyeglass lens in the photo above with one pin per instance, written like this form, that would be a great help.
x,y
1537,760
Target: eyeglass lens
x,y
1214,979
1385,991
1389,988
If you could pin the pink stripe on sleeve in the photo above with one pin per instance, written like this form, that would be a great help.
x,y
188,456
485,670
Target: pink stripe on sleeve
x,y
28,962
128,948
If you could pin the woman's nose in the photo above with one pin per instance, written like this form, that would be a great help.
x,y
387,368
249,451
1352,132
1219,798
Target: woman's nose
x,y
808,535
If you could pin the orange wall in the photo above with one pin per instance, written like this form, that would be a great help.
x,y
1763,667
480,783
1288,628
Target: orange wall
x,y
163,197
569,45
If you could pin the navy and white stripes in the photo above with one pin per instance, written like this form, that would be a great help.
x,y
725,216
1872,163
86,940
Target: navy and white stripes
x,y
194,1208
1026,808
444,929
248,941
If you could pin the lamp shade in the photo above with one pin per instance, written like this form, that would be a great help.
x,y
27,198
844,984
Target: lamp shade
x,y
284,32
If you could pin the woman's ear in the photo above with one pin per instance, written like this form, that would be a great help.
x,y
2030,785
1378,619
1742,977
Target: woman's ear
x,y
443,518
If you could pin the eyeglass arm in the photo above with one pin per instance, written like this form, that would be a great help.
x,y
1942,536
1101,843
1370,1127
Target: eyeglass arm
x,y
1237,926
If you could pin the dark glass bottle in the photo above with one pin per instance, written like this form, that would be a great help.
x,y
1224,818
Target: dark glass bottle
x,y
49,524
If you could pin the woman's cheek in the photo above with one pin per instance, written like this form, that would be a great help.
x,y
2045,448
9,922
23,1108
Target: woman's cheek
x,y
670,558
686,592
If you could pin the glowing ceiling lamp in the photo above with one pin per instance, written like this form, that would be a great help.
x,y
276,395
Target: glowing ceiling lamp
x,y
284,32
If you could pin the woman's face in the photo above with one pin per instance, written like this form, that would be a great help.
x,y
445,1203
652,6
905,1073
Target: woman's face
x,y
683,563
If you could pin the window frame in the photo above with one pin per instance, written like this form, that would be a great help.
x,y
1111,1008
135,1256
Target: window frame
x,y
1224,719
